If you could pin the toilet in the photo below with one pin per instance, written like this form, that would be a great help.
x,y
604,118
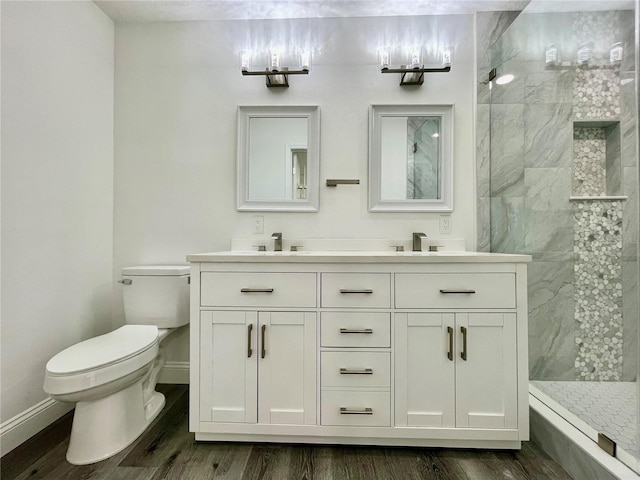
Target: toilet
x,y
112,377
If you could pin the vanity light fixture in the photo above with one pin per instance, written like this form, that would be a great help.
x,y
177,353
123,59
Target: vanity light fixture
x,y
584,57
276,75
413,72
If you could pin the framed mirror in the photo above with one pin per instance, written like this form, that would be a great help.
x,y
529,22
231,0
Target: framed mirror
x,y
278,164
411,158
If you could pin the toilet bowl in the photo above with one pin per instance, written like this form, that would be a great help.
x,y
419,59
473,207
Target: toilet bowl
x,y
112,377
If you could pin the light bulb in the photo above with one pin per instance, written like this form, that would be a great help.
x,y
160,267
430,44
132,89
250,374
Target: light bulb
x,y
414,58
384,58
552,56
245,61
615,54
583,54
447,53
275,61
305,60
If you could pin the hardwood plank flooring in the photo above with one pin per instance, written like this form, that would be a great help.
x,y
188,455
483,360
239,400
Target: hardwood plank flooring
x,y
168,451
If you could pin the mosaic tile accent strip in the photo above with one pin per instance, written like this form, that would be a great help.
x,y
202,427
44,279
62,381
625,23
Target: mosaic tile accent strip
x,y
608,407
601,29
598,290
589,162
596,93
596,88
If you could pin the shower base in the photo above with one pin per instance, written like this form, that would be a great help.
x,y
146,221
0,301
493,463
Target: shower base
x,y
610,408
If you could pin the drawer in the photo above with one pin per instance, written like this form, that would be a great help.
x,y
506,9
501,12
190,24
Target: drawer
x,y
372,409
368,290
455,290
247,289
355,329
356,369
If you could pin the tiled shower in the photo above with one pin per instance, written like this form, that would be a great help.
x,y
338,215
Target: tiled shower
x,y
558,179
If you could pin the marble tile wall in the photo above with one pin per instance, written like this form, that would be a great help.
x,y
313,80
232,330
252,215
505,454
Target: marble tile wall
x,y
525,172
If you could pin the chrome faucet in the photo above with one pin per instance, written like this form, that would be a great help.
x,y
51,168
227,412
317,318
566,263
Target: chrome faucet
x,y
277,244
417,241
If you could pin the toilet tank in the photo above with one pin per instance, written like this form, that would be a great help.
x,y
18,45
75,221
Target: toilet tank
x,y
156,295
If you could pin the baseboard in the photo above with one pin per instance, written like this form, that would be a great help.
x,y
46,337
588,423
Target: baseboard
x,y
175,373
23,426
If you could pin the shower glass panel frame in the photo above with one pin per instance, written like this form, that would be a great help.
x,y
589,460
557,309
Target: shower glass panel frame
x,y
563,187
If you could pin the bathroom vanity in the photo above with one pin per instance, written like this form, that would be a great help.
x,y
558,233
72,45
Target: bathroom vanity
x,y
375,348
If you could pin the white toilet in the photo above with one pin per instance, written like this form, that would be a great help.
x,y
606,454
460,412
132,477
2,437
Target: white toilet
x,y
113,377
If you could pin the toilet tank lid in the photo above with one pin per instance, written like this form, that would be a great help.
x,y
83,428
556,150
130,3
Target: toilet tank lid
x,y
158,270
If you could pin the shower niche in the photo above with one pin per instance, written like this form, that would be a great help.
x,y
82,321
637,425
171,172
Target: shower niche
x,y
597,166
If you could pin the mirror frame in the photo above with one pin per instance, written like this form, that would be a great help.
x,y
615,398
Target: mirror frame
x,y
443,204
312,114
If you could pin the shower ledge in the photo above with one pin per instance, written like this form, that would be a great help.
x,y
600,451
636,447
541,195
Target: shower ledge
x,y
612,198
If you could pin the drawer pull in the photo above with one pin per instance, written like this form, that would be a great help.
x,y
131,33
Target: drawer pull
x,y
356,330
348,290
249,349
463,354
445,291
356,411
450,352
356,371
264,349
256,290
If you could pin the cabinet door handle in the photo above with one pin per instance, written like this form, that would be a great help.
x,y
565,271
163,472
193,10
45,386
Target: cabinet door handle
x,y
356,371
349,290
450,352
446,291
249,349
356,411
463,354
263,348
256,290
356,330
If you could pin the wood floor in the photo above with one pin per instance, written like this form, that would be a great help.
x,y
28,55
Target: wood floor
x,y
168,451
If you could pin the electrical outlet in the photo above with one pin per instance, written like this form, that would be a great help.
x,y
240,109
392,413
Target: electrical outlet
x,y
258,224
445,223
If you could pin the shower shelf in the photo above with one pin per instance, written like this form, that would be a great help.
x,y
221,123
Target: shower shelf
x,y
597,167
612,198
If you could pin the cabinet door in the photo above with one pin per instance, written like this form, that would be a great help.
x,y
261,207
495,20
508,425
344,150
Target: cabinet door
x,y
287,368
228,367
486,379
424,370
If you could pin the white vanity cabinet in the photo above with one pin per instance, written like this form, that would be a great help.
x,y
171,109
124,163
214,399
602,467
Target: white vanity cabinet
x,y
386,349
456,370
258,365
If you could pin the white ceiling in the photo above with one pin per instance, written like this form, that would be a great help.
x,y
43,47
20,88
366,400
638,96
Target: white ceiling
x,y
140,11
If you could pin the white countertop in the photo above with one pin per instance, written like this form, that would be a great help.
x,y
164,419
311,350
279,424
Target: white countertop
x,y
344,256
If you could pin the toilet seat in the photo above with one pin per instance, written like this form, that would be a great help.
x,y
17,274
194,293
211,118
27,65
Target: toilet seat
x,y
101,359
